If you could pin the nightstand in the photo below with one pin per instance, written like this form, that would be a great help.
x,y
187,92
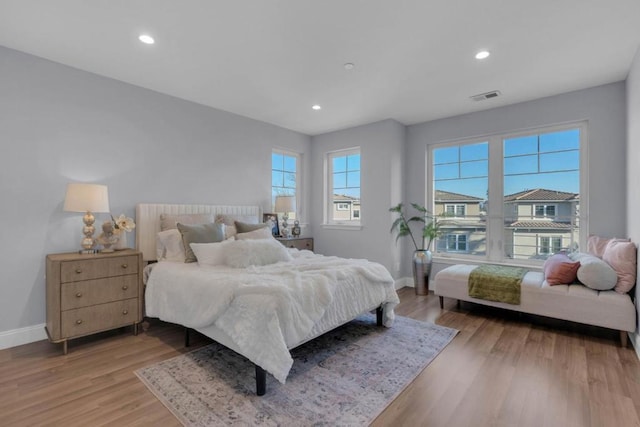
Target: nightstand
x,y
90,293
297,242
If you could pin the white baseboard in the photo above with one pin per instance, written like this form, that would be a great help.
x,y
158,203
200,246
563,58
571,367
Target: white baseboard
x,y
21,336
404,281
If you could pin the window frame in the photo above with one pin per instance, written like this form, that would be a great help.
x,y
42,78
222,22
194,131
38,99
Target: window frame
x,y
455,209
495,229
329,222
298,190
457,236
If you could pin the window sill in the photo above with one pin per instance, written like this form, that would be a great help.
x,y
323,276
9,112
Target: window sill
x,y
341,227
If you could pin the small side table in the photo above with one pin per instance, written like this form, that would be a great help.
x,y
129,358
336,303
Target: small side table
x,y
297,242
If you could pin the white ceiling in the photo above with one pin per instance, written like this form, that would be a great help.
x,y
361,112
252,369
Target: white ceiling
x,y
271,60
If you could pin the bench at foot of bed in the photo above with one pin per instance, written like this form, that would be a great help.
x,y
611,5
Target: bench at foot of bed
x,y
575,302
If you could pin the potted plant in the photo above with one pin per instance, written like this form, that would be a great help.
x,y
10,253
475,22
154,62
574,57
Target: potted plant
x,y
422,255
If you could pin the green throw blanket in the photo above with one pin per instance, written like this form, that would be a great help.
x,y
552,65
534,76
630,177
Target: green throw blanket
x,y
496,283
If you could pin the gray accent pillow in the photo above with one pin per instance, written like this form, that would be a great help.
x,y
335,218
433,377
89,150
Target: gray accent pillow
x,y
243,227
199,233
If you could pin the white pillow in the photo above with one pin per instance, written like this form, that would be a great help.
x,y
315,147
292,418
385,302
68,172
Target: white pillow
x,y
260,233
594,273
211,253
169,246
243,253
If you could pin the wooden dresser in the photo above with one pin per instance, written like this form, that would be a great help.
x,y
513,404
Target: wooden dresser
x,y
89,293
297,242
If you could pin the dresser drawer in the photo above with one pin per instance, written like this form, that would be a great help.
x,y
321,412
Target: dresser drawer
x,y
98,291
298,243
87,269
83,321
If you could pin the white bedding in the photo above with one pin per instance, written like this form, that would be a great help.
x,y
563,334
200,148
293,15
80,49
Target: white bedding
x,y
266,310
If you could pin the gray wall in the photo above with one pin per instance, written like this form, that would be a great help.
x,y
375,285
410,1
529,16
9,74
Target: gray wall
x,y
382,180
60,125
603,107
633,161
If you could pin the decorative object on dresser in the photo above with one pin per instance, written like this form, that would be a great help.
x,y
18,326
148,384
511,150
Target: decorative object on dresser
x,y
297,242
87,294
87,198
122,225
272,220
285,205
295,231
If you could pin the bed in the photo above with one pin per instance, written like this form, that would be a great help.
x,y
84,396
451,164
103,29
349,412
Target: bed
x,y
260,310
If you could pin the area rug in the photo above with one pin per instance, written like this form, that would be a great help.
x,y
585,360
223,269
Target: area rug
x,y
343,378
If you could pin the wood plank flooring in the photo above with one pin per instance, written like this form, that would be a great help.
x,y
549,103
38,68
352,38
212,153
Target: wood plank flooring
x,y
502,369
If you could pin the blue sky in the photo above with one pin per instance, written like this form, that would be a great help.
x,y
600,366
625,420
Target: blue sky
x,y
548,161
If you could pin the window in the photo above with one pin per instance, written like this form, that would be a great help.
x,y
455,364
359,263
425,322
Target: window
x,y
512,196
284,177
343,184
456,242
455,210
549,245
543,211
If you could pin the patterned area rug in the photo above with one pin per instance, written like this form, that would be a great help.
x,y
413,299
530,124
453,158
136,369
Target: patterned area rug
x,y
345,377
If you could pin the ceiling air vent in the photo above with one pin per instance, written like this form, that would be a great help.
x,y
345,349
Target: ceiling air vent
x,y
487,95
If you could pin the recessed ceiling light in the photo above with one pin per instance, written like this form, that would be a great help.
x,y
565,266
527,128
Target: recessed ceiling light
x,y
316,107
146,39
349,66
482,54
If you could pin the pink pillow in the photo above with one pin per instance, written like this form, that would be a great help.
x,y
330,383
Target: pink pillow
x,y
559,269
622,257
596,244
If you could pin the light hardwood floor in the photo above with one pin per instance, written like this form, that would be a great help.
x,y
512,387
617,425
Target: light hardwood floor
x,y
502,369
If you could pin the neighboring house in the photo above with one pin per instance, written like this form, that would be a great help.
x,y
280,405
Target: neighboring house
x,y
540,222
345,208
464,228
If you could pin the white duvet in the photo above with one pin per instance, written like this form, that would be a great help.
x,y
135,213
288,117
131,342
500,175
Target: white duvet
x,y
264,309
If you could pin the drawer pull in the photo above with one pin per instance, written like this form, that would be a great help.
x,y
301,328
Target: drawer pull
x,y
79,294
125,287
79,321
78,270
125,265
125,312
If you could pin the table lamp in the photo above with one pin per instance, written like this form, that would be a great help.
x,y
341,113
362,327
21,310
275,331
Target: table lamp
x,y
284,205
87,198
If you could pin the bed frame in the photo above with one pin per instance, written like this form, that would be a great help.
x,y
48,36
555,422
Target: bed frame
x,y
148,226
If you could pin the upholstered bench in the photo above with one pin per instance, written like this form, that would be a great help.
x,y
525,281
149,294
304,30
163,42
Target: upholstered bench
x,y
575,302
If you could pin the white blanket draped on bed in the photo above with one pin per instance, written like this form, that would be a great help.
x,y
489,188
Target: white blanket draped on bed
x,y
265,309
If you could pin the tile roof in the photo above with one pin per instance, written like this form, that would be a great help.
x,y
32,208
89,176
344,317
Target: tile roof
x,y
541,194
540,224
447,196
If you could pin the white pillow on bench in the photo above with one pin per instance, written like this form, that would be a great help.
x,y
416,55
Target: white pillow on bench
x,y
594,273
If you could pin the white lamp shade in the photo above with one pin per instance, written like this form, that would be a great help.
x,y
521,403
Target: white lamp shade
x,y
285,204
86,198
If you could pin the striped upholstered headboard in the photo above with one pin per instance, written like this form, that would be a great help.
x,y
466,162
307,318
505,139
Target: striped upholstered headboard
x,y
148,220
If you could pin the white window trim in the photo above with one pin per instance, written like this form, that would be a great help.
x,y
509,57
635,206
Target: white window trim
x,y
546,205
466,235
328,221
455,210
299,189
494,222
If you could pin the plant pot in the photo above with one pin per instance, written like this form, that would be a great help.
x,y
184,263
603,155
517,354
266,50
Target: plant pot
x,y
421,270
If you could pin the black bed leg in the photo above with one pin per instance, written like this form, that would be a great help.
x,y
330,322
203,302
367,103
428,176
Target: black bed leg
x,y
379,316
186,337
261,381
441,303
